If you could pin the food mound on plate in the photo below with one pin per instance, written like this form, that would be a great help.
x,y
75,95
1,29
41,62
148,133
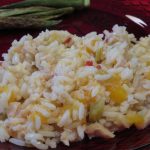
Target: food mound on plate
x,y
58,87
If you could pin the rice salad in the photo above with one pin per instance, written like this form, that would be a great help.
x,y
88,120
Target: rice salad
x,y
58,87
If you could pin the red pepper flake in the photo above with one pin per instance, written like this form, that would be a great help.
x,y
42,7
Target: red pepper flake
x,y
89,63
98,67
68,40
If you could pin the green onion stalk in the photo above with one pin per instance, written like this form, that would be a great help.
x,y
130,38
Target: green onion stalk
x,y
37,13
51,3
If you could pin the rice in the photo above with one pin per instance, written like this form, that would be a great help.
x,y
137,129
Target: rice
x,y
52,91
37,122
3,134
51,143
64,119
17,142
80,131
39,145
81,111
102,77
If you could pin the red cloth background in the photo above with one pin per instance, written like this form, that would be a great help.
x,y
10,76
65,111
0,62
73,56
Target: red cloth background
x,y
102,14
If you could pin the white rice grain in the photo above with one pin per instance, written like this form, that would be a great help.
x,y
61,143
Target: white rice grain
x,y
35,136
49,134
41,110
52,143
17,142
39,145
37,122
64,119
81,111
127,74
102,77
4,136
80,130
49,105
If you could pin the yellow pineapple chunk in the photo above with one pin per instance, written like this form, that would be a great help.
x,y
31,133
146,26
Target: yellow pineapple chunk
x,y
114,80
136,119
117,93
114,86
